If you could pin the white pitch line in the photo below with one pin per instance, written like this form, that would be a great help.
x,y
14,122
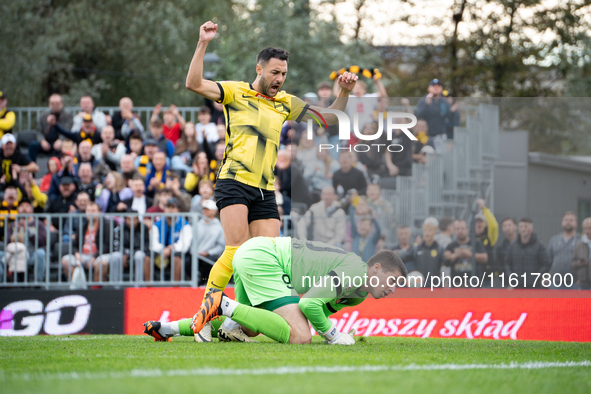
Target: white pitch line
x,y
149,373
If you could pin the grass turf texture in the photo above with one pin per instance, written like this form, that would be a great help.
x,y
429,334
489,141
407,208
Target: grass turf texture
x,y
105,364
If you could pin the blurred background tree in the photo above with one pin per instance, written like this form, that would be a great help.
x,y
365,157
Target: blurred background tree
x,y
142,49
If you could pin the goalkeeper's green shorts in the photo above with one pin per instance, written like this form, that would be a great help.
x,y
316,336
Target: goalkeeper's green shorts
x,y
259,279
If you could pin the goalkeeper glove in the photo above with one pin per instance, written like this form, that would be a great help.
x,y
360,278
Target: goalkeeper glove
x,y
334,336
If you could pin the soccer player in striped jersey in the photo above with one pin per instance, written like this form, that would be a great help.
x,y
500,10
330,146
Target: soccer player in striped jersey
x,y
254,114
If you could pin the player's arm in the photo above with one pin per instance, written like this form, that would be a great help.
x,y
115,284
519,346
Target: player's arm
x,y
381,88
346,82
314,305
333,306
195,81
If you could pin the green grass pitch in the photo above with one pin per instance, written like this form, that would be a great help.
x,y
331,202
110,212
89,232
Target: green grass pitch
x,y
121,364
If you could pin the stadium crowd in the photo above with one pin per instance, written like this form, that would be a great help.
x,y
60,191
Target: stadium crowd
x,y
97,163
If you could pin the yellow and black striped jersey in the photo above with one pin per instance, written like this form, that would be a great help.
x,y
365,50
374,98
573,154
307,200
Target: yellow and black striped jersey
x,y
253,128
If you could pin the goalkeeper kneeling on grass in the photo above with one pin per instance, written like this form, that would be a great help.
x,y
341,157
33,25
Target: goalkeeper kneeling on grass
x,y
269,273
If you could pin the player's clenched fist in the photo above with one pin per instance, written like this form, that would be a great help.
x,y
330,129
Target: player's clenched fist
x,y
347,80
207,31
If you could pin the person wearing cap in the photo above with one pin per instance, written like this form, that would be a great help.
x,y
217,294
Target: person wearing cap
x,y
88,131
487,232
428,255
12,160
173,182
64,202
7,117
69,169
56,114
209,237
436,110
87,108
170,240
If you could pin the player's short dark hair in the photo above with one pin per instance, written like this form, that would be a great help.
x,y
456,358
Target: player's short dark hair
x,y
269,53
158,123
525,220
389,261
508,218
444,223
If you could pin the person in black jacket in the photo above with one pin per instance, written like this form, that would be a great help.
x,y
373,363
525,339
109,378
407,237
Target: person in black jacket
x,y
116,257
56,114
64,203
509,227
526,255
428,255
435,109
348,177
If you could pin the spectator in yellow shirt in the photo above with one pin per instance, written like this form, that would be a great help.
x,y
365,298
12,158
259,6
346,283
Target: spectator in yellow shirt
x,y
7,118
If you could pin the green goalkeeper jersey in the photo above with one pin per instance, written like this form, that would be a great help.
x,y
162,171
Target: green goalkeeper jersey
x,y
328,277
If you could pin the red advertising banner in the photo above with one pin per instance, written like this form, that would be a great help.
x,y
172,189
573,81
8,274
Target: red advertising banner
x,y
534,317
162,304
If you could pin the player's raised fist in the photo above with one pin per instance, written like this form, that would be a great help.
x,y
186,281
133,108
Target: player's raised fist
x,y
207,31
347,80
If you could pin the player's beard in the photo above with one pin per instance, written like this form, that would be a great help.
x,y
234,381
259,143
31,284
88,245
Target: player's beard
x,y
266,87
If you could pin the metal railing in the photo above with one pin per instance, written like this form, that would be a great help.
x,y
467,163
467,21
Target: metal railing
x,y
43,250
449,183
27,117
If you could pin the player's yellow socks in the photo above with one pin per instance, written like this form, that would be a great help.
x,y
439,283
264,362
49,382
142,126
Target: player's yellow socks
x,y
221,272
